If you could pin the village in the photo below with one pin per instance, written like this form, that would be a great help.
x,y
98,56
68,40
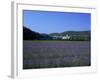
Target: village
x,y
67,37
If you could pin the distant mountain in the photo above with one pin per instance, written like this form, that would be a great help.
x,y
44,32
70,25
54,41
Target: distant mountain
x,y
76,32
28,34
72,33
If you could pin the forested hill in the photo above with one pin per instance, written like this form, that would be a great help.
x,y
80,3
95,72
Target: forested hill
x,y
32,35
72,33
28,34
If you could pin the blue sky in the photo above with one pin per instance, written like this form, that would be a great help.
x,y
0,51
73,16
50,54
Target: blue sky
x,y
52,22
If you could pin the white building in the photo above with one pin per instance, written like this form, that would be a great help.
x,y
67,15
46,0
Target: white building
x,y
66,37
62,37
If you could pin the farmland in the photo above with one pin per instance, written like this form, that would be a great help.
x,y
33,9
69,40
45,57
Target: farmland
x,y
51,54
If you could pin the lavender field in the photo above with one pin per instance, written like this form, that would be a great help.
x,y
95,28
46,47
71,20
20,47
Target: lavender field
x,y
51,54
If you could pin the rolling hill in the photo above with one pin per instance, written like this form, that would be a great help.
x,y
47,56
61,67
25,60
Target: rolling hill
x,y
28,34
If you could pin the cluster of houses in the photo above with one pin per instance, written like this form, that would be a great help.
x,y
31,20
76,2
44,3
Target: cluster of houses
x,y
66,37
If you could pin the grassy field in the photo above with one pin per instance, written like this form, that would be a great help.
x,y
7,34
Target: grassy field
x,y
51,54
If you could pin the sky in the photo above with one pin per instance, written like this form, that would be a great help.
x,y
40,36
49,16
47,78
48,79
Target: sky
x,y
52,22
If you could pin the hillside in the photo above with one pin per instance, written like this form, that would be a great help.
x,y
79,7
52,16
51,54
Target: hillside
x,y
74,35
32,35
66,35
